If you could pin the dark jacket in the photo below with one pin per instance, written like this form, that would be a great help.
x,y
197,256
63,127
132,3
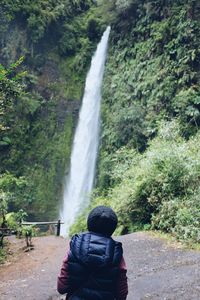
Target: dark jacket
x,y
93,266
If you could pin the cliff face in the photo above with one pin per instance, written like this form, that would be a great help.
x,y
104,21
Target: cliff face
x,y
151,118
53,39
148,168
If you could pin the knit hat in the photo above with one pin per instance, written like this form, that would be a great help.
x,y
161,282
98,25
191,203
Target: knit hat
x,y
102,219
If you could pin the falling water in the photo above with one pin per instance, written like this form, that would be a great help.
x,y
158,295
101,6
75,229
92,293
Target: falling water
x,y
79,182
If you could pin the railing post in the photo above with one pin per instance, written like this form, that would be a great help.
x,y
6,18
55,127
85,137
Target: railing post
x,y
58,228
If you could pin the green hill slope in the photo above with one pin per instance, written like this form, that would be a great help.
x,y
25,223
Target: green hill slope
x,y
52,43
148,167
149,158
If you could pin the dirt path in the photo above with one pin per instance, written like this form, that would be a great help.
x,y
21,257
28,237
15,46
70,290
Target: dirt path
x,y
156,270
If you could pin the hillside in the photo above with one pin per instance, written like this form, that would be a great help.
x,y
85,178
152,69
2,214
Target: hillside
x,y
46,48
149,162
149,167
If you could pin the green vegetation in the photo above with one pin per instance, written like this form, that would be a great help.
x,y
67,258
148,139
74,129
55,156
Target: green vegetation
x,y
160,186
46,48
149,168
41,14
25,148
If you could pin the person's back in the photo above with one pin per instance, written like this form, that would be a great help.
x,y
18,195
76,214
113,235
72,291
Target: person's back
x,y
94,268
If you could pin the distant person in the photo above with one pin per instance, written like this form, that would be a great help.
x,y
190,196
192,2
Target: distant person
x,y
94,267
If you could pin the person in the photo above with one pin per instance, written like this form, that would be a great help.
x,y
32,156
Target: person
x,y
94,267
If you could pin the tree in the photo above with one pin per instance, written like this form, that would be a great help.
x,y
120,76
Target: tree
x,y
3,206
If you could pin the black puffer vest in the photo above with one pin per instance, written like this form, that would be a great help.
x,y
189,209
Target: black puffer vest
x,y
93,266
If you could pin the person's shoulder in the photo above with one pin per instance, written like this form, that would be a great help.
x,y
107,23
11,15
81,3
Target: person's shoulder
x,y
117,243
89,236
118,247
79,237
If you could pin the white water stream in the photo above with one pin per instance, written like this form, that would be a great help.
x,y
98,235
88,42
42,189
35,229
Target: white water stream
x,y
79,182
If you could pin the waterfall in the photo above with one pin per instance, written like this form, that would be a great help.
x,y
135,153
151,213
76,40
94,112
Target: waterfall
x,y
79,182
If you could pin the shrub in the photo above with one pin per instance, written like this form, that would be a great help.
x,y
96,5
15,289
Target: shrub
x,y
93,29
159,187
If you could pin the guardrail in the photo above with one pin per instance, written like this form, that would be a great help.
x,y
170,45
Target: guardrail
x,y
8,231
56,223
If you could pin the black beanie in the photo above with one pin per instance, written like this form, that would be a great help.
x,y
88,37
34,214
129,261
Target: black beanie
x,y
103,220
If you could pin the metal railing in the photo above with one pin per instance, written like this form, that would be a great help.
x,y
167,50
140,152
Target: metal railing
x,y
56,223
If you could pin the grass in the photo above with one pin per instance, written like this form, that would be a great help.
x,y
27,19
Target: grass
x,y
172,241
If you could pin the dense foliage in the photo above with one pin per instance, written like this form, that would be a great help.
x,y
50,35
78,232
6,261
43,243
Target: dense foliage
x,y
39,15
148,165
46,47
148,168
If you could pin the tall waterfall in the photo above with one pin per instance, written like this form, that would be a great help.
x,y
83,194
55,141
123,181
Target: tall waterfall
x,y
79,182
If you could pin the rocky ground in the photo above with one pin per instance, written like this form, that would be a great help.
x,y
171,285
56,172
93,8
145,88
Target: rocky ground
x,y
156,269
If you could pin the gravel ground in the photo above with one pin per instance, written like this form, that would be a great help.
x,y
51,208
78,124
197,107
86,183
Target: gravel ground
x,y
156,269
160,271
